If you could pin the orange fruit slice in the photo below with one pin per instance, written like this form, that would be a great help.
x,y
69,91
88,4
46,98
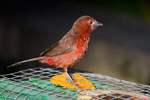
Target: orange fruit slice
x,y
81,82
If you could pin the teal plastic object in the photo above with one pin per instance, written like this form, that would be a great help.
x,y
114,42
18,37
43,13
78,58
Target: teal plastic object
x,y
36,89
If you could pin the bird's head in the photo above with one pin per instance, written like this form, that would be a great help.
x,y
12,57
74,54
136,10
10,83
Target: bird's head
x,y
86,24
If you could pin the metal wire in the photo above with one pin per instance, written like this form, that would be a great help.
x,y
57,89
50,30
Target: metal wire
x,y
33,84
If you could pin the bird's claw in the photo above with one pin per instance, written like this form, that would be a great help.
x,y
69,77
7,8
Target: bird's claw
x,y
71,79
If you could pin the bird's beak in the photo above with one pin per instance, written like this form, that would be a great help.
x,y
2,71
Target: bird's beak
x,y
96,24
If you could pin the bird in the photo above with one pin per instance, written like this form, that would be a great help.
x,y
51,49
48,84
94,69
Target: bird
x,y
70,48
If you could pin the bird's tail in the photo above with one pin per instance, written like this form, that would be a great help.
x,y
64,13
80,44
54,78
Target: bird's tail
x,y
24,61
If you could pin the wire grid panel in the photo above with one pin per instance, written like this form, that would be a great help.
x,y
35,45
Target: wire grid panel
x,y
34,84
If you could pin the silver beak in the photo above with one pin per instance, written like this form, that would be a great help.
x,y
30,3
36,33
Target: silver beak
x,y
96,24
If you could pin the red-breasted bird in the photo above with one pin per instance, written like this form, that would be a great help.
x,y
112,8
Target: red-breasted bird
x,y
71,48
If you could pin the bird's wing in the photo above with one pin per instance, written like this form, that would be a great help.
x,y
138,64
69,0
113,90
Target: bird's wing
x,y
65,45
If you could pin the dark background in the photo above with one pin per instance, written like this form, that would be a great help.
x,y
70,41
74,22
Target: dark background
x,y
120,49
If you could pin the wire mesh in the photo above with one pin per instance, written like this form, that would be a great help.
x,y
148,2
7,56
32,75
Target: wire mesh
x,y
34,84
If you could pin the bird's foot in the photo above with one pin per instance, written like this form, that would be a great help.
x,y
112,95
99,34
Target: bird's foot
x,y
71,79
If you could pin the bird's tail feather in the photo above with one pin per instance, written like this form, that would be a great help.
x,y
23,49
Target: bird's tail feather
x,y
24,61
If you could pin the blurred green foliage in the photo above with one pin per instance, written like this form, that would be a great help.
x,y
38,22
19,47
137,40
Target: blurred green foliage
x,y
139,8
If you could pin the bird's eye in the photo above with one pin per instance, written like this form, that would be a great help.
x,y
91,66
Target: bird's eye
x,y
90,22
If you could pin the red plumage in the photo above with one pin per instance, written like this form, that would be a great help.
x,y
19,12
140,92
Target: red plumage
x,y
74,43
69,59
